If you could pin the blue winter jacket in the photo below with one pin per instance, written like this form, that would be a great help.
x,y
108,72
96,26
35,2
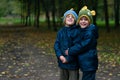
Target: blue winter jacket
x,y
87,48
66,37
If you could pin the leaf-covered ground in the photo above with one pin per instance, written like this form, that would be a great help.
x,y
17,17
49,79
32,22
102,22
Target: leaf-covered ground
x,y
27,54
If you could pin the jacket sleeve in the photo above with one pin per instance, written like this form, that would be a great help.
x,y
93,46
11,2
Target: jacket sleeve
x,y
81,45
57,46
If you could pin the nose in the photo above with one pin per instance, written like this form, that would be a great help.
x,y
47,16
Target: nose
x,y
71,17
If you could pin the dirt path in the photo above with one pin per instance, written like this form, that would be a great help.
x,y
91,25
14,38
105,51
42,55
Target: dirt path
x,y
34,64
23,61
38,66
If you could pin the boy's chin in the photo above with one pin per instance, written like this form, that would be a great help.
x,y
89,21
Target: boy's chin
x,y
83,26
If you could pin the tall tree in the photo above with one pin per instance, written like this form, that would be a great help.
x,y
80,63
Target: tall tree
x,y
60,10
106,16
53,15
37,13
26,15
28,12
22,12
116,10
46,11
94,7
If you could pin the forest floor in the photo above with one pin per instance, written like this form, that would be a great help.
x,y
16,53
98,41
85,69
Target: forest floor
x,y
21,59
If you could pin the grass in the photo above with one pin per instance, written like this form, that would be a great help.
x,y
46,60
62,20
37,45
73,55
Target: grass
x,y
9,20
15,20
102,23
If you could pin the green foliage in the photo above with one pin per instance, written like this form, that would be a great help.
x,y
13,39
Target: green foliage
x,y
3,8
9,20
101,23
8,7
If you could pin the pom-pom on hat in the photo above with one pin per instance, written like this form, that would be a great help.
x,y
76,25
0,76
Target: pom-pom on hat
x,y
87,13
71,11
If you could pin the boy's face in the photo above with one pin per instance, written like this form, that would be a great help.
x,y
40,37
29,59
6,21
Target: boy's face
x,y
69,20
84,22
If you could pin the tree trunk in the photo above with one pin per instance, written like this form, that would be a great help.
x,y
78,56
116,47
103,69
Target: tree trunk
x,y
47,13
106,16
26,15
95,8
28,12
37,13
60,11
116,10
22,14
53,15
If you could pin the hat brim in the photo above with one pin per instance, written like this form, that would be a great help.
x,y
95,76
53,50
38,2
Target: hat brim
x,y
81,17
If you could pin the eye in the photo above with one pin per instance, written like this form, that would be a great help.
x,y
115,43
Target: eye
x,y
70,16
85,19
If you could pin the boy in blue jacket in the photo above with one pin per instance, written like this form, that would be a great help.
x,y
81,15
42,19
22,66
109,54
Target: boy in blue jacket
x,y
66,36
87,46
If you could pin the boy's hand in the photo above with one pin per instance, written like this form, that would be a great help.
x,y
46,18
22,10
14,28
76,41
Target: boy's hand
x,y
63,59
66,52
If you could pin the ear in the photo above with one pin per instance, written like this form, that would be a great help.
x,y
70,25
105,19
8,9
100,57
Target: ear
x,y
93,13
71,9
84,8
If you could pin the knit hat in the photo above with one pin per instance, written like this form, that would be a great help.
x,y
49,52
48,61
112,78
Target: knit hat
x,y
87,13
71,11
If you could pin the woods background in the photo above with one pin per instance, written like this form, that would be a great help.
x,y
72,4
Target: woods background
x,y
36,12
